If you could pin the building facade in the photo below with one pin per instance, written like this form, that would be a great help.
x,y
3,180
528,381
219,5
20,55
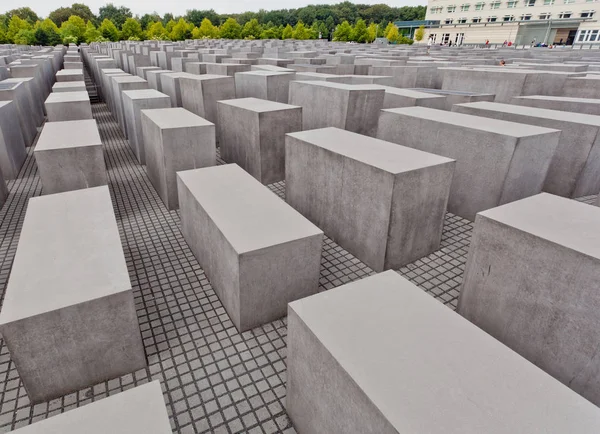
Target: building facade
x,y
520,22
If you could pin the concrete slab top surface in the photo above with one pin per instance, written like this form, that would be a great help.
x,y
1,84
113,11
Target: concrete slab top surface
x,y
111,70
450,92
140,410
67,84
68,134
561,98
428,370
490,125
9,85
246,212
410,93
176,117
145,94
378,153
506,70
127,79
556,115
75,96
204,77
266,73
565,222
341,86
258,105
70,72
72,241
5,103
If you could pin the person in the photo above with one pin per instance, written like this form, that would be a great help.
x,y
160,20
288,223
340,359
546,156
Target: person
x,y
429,43
561,41
502,62
487,42
450,44
504,43
509,43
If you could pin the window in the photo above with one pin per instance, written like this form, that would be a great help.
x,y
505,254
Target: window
x,y
479,6
565,15
529,3
445,38
448,21
508,18
587,14
545,16
591,1
588,36
451,9
492,19
568,2
476,20
525,17
462,21
465,8
512,4
548,2
495,5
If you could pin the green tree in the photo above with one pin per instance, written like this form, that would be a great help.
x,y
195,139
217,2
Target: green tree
x,y
182,30
132,29
91,32
230,29
3,37
108,30
196,17
117,15
47,33
271,31
343,32
301,32
157,31
24,13
395,37
73,27
287,33
169,25
420,33
388,28
205,30
372,32
252,30
360,33
148,19
61,15
15,25
25,37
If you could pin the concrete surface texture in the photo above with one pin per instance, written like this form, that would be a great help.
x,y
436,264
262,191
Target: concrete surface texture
x,y
17,92
12,145
68,106
120,84
69,75
175,140
269,85
62,337
382,202
590,106
134,101
351,107
200,93
530,283
256,140
409,365
258,252
69,86
140,410
496,161
171,86
69,156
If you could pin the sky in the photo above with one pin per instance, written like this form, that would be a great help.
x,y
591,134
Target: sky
x,y
179,7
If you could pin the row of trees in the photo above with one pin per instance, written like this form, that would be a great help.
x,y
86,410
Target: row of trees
x,y
23,26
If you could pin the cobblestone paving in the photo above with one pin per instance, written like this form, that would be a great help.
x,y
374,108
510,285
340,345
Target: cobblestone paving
x,y
214,379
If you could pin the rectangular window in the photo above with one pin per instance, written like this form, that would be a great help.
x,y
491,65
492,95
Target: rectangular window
x,y
451,9
545,16
479,6
582,35
492,19
590,1
495,5
568,2
587,14
476,20
594,36
565,15
548,2
448,21
508,18
462,21
512,4
465,8
525,17
529,3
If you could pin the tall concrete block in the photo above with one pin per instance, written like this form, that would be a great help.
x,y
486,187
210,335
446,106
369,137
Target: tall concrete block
x,y
200,93
575,168
496,161
258,253
12,145
380,356
457,97
581,87
68,106
34,94
142,71
269,85
256,140
396,98
351,107
120,84
72,322
134,101
531,282
17,92
69,75
383,203
171,86
140,410
589,106
229,69
69,86
426,76
69,156
175,140
153,78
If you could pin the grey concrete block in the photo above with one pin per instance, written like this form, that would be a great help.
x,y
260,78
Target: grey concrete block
x,y
496,161
69,156
153,78
120,84
351,107
134,101
72,322
69,86
580,87
269,85
531,282
200,93
575,167
34,94
458,97
142,71
12,144
258,253
427,76
396,98
380,356
69,75
382,202
171,86
17,92
590,106
229,69
175,140
140,410
73,65
68,106
256,140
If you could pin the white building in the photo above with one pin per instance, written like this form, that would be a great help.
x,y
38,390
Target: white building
x,y
520,22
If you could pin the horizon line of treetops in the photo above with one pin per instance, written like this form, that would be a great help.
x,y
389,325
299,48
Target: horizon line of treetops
x,y
77,24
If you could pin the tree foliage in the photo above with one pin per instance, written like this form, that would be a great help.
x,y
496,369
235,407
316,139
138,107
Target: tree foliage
x,y
231,29
24,13
118,15
252,30
108,30
420,33
131,30
157,31
343,32
360,32
205,30
61,15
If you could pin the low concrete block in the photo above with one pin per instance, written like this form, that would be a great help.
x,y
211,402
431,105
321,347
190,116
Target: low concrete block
x,y
381,356
175,140
258,253
12,145
69,156
69,86
269,85
256,140
140,410
382,202
134,101
229,69
68,106
200,93
496,161
589,106
531,282
69,75
351,107
457,97
72,323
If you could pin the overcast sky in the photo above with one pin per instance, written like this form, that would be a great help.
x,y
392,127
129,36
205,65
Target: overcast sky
x,y
178,7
